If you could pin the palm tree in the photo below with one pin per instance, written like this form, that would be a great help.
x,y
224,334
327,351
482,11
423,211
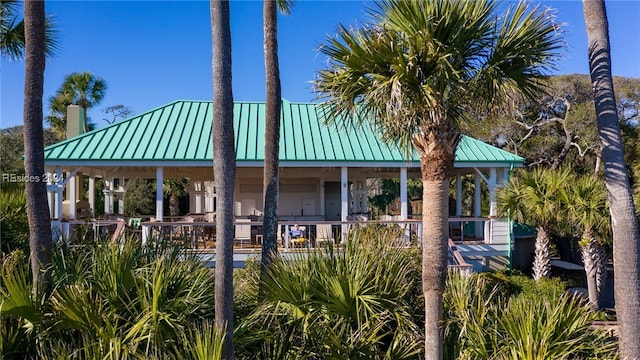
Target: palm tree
x,y
413,73
79,88
12,35
626,234
224,168
174,189
272,131
586,200
40,241
534,198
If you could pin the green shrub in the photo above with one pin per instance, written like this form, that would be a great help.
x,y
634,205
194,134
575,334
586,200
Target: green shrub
x,y
14,231
111,300
340,304
515,284
481,323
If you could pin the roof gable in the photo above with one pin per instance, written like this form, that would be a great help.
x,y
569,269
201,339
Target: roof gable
x,y
182,131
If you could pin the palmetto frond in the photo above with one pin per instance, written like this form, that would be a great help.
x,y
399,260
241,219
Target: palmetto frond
x,y
419,65
83,89
588,205
533,197
12,43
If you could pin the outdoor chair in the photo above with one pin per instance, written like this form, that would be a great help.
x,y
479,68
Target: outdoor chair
x,y
324,235
242,232
134,228
302,240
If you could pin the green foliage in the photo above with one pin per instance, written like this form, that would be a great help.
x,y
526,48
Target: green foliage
x,y
516,285
12,149
14,225
78,88
538,129
140,198
390,193
481,322
350,304
111,300
12,37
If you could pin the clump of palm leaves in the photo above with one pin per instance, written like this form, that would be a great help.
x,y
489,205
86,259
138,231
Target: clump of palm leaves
x,y
14,227
110,301
480,323
356,302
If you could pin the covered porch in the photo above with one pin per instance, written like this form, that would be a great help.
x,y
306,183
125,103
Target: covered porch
x,y
326,174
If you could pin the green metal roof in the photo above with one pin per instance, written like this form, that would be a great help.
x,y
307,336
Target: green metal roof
x,y
182,130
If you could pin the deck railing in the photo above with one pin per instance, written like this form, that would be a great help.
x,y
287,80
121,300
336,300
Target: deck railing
x,y
202,233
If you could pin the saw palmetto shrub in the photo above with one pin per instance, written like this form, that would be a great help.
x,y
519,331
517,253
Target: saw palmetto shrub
x,y
110,301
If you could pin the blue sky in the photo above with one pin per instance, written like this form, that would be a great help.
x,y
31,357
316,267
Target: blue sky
x,y
154,52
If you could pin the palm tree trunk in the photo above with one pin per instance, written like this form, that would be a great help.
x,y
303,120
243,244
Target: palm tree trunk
x,y
174,205
434,260
224,166
542,255
40,241
271,137
589,258
624,222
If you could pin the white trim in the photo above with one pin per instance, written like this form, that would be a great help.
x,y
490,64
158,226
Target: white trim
x,y
404,213
477,202
344,194
159,194
260,163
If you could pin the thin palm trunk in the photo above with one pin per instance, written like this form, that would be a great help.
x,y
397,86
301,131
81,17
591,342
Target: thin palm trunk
x,y
542,255
589,258
624,221
174,205
40,241
271,137
224,165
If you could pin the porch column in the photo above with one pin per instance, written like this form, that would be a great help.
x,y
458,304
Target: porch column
x,y
195,197
458,195
50,195
71,196
477,203
344,191
403,193
492,191
79,185
108,202
92,195
159,194
365,200
323,211
121,196
58,195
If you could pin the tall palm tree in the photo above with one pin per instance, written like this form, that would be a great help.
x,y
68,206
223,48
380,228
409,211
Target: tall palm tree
x,y
79,88
413,72
272,131
12,35
586,200
626,234
533,197
40,241
224,168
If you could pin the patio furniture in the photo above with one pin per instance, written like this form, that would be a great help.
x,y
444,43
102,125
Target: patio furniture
x,y
298,236
324,235
242,232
